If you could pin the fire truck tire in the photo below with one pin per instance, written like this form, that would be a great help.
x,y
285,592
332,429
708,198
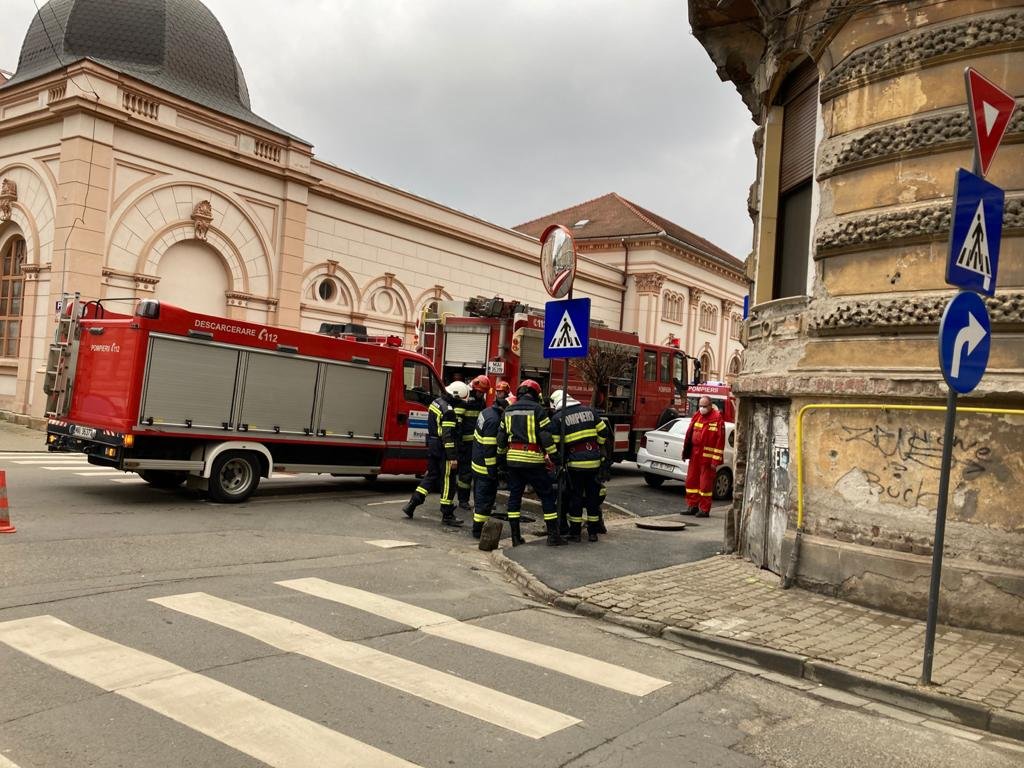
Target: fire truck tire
x,y
163,478
654,481
234,476
723,484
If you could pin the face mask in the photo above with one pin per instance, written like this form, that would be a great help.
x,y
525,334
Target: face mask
x,y
705,409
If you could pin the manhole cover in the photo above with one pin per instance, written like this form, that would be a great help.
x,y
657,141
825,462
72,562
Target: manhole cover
x,y
661,524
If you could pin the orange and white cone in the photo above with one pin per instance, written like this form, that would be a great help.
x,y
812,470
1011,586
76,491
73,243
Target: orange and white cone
x,y
5,515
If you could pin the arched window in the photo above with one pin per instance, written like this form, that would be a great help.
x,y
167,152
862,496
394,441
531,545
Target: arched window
x,y
706,363
12,286
708,317
672,307
735,324
734,366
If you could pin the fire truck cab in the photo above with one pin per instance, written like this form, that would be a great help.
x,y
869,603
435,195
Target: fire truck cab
x,y
179,396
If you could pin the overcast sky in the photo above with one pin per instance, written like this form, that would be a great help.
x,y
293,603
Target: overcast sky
x,y
507,110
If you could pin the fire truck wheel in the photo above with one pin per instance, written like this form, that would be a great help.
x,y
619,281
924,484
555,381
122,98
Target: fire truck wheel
x,y
723,485
234,476
163,478
654,481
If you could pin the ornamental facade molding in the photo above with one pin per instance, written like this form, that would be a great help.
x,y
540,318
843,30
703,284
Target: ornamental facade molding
x,y
839,316
8,197
965,38
913,137
921,223
696,294
649,282
202,217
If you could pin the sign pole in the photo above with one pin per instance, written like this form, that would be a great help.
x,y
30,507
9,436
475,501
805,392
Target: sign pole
x,y
940,537
562,471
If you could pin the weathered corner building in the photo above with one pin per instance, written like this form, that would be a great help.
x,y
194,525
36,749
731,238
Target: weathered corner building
x,y
861,123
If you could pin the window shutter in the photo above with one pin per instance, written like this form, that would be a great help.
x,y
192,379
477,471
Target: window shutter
x,y
800,100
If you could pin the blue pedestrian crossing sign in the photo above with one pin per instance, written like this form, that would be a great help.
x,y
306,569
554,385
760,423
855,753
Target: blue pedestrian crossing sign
x,y
977,230
965,338
567,328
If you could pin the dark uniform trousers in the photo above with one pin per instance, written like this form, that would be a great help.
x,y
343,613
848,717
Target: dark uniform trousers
x,y
536,477
586,494
438,477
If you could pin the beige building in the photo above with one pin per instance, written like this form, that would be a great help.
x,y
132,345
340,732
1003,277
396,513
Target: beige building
x,y
132,166
861,122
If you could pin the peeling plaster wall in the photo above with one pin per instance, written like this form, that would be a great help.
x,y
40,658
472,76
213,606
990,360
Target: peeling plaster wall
x,y
895,130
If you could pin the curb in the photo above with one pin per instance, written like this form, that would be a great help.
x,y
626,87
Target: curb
x,y
926,703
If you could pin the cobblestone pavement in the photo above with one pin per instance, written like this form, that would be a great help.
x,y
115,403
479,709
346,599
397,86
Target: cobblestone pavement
x,y
732,598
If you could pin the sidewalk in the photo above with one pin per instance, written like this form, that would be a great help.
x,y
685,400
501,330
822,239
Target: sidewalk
x,y
17,438
727,605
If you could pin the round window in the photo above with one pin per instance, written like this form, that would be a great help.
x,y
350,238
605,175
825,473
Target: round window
x,y
326,290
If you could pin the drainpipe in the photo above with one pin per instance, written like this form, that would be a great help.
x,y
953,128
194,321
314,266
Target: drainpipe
x,y
625,280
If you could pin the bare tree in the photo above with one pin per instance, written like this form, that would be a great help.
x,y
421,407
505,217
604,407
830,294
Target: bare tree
x,y
601,365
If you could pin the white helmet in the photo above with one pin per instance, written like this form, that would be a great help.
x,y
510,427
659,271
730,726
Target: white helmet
x,y
556,399
459,389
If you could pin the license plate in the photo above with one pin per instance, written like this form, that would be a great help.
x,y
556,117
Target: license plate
x,y
662,466
85,432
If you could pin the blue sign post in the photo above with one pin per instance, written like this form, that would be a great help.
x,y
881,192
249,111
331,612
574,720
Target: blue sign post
x,y
566,328
977,231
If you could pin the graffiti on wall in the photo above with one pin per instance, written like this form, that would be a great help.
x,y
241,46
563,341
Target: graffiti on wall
x,y
902,464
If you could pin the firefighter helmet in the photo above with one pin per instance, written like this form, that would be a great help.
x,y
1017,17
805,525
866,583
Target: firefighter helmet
x,y
556,399
480,384
502,386
531,386
458,389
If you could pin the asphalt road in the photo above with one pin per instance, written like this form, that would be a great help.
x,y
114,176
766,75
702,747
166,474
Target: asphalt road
x,y
316,626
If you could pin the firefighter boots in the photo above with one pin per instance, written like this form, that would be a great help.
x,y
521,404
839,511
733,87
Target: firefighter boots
x,y
592,531
464,506
698,513
517,536
575,532
690,511
554,538
410,508
600,523
448,516
478,528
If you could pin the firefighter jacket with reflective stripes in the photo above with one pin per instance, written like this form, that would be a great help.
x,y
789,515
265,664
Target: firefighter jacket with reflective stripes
x,y
585,436
468,413
442,429
485,441
524,437
706,437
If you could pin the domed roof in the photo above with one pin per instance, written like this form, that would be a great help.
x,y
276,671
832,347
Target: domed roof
x,y
176,45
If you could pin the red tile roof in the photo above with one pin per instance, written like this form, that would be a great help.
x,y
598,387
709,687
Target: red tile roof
x,y
612,215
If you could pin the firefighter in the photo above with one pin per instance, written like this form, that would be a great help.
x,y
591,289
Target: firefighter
x,y
467,412
704,448
442,453
486,464
524,439
585,437
605,475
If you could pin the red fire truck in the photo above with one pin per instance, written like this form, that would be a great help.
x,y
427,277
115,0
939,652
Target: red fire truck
x,y
505,340
718,392
176,396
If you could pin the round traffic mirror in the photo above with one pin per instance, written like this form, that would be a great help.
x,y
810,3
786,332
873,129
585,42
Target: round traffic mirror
x,y
557,261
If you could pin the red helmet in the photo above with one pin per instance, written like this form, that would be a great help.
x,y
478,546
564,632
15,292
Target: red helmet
x,y
480,384
502,386
529,385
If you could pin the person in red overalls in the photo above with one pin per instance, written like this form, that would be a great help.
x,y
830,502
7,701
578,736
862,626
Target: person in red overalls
x,y
704,447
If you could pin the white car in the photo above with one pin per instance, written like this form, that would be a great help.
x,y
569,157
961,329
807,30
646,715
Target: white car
x,y
660,457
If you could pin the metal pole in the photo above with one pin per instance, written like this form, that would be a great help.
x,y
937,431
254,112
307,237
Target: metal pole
x,y
562,512
940,536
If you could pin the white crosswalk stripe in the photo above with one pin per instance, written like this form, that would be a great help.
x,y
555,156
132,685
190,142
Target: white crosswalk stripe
x,y
5,763
254,727
447,690
438,624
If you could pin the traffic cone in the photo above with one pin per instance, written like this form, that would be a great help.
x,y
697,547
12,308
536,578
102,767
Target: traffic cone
x,y
5,515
